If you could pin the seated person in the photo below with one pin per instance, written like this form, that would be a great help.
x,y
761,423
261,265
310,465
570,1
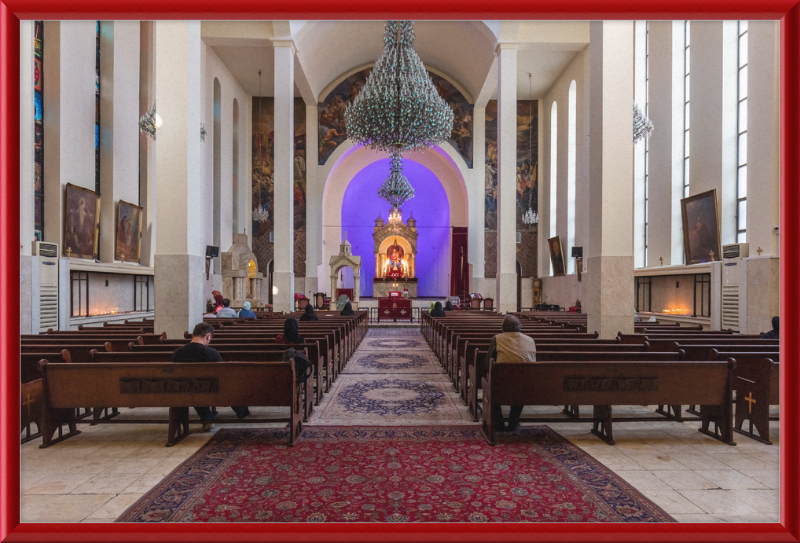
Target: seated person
x,y
510,347
437,310
309,314
246,313
210,311
773,334
217,300
226,311
198,350
348,310
291,335
448,306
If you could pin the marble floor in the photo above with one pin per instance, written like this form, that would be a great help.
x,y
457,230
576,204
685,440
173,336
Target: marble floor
x,y
394,379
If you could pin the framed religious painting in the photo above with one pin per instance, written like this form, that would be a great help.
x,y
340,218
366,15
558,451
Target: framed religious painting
x,y
128,240
81,222
556,256
701,228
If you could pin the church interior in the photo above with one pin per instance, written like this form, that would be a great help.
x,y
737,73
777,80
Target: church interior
x,y
463,171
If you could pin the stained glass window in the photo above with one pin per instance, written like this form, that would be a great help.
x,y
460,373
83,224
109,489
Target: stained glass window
x,y
38,128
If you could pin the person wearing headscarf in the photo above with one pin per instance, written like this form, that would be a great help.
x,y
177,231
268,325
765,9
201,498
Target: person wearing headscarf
x,y
291,334
448,306
348,310
217,300
437,310
246,313
309,314
774,333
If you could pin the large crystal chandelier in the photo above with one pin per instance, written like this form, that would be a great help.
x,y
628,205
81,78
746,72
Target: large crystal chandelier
x,y
398,107
396,189
642,126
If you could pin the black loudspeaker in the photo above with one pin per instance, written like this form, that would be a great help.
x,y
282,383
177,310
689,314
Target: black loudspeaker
x,y
577,252
211,251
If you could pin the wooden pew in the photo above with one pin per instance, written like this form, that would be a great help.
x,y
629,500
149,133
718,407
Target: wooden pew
x,y
605,384
757,385
176,386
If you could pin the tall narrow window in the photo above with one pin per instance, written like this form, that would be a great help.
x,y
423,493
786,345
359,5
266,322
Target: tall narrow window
x,y
553,171
686,80
571,164
646,143
97,109
38,129
217,167
741,147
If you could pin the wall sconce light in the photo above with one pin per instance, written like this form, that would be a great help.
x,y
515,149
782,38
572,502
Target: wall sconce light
x,y
203,133
149,122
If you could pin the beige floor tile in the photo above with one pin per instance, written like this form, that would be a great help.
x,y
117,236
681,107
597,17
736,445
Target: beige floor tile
x,y
770,478
729,479
763,501
741,461
671,501
755,518
642,480
718,502
655,461
106,483
684,480
701,518
143,484
115,506
60,508
57,484
698,461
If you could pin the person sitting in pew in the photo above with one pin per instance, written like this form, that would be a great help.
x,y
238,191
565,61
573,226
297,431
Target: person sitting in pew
x,y
348,310
198,350
437,310
226,311
291,333
448,306
309,314
773,334
210,311
246,312
510,347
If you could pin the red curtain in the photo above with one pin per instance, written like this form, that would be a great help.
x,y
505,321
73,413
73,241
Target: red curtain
x,y
459,262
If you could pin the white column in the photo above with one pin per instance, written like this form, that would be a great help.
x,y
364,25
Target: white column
x,y
660,145
119,130
506,296
713,117
314,192
69,116
179,262
761,278
26,138
610,289
283,276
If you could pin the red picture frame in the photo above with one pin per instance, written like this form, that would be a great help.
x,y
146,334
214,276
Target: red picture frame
x,y
11,11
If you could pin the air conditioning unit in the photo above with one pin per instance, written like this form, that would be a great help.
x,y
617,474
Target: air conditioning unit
x,y
732,256
48,284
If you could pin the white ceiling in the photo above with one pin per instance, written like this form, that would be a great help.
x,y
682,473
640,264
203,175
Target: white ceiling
x,y
461,51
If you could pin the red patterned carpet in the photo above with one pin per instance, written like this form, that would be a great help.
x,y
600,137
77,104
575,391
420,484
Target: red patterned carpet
x,y
398,474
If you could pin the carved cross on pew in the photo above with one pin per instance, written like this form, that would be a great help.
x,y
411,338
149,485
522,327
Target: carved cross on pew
x,y
759,251
27,403
750,401
402,311
385,311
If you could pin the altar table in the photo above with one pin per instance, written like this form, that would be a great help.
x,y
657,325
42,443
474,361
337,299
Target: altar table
x,y
394,309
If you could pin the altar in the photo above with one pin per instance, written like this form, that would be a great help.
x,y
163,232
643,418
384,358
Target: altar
x,y
395,248
394,308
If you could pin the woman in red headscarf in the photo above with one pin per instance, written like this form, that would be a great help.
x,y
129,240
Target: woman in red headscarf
x,y
217,300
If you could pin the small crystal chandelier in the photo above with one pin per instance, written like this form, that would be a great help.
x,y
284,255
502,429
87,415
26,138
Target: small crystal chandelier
x,y
530,217
396,189
398,107
147,122
642,126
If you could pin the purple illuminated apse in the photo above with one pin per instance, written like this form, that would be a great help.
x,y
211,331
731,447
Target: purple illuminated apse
x,y
430,208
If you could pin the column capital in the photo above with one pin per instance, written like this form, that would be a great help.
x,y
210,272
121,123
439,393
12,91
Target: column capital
x,y
284,42
505,45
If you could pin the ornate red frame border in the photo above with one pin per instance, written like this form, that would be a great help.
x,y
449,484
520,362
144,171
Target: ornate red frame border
x,y
11,11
